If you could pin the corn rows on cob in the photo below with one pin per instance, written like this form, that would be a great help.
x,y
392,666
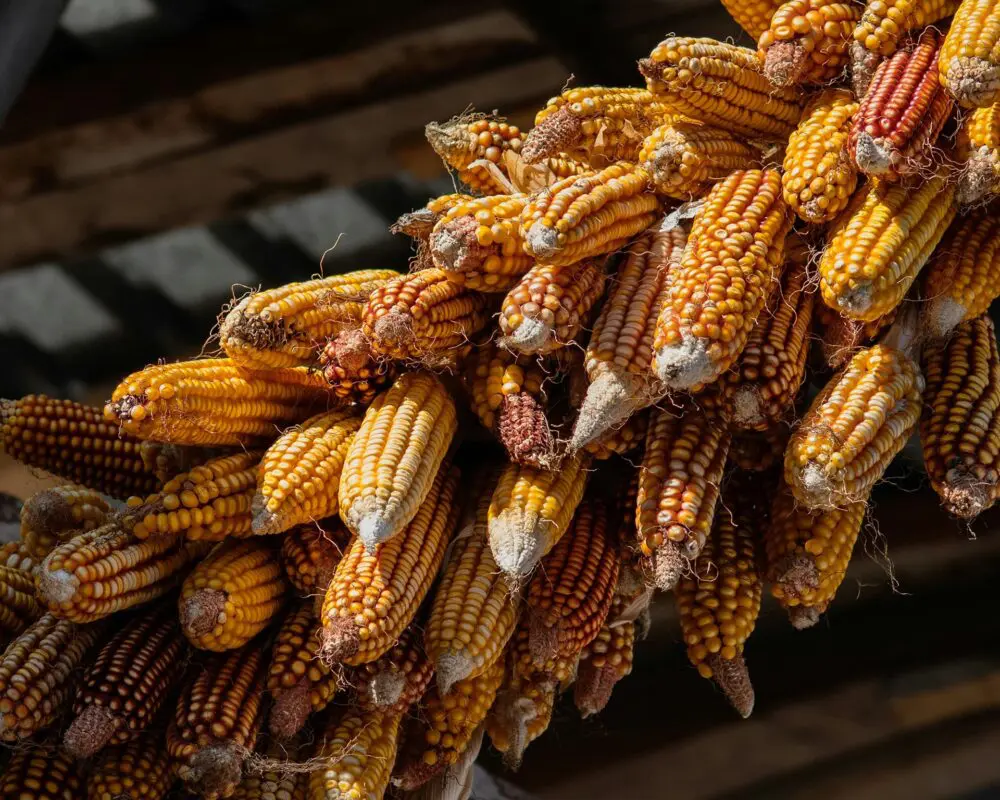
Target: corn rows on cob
x,y
310,553
358,747
978,149
397,679
807,41
16,556
41,773
138,770
970,56
619,441
606,660
883,24
752,15
18,605
51,516
521,713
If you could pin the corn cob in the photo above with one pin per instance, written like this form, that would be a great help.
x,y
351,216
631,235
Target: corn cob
x,y
752,15
107,570
270,781
52,516
37,674
686,450
310,553
166,460
883,24
622,440
547,308
465,141
18,606
529,512
122,691
399,678
595,124
583,216
841,337
808,41
423,314
418,224
479,243
721,85
41,773
818,176
758,451
970,55
456,781
900,116
880,243
16,556
963,277
232,595
300,473
526,662
73,441
357,750
724,279
374,595
684,158
960,432
287,326
353,370
446,727
807,554
605,661
299,683
978,148
522,712
524,430
217,719
395,456
138,770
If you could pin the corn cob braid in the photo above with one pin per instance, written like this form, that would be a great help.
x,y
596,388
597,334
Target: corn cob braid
x,y
354,371
753,16
358,749
41,773
399,678
841,337
464,141
605,661
122,691
138,770
721,85
521,713
375,594
808,41
758,451
18,606
52,516
287,326
978,148
883,24
310,553
970,55
72,441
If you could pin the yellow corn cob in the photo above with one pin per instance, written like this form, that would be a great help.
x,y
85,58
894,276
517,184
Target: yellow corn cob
x,y
122,691
978,148
52,516
456,780
463,141
619,441
884,24
353,370
16,556
550,304
73,441
139,770
41,773
880,243
395,456
583,216
232,595
37,673
107,570
686,450
722,85
620,353
310,553
399,678
287,326
841,337
445,727
299,683
271,781
807,554
18,606
970,56
684,158
960,433
493,373
725,277
758,451
818,175
300,473
479,243
375,594
423,314
418,224
357,749
166,460
595,124
604,661
522,712
808,41
963,277
209,503
752,15
529,512
217,719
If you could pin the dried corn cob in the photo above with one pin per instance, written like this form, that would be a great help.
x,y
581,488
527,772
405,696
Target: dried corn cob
x,y
752,15
970,55
595,124
16,556
841,337
522,712
978,148
287,326
210,503
526,433
107,570
122,691
758,451
446,727
271,781
299,683
139,770
960,434
37,673
418,224
526,662
547,308
74,442
621,440
880,243
808,41
357,749
395,456
686,450
374,595
902,113
399,678
353,370
310,553
41,773
725,277
18,606
493,373
818,176
455,782
529,512
464,141
216,721
232,595
605,661
722,85
884,24
300,473
963,277
52,516
588,215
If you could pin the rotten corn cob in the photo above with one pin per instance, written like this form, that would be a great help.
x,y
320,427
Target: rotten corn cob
x,y
52,516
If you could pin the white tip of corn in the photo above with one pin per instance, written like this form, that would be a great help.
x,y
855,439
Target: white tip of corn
x,y
857,301
942,316
871,157
386,688
609,402
542,240
685,364
373,529
514,543
57,587
531,336
748,410
451,668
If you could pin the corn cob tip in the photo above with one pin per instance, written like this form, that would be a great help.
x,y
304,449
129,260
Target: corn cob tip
x,y
555,134
90,732
340,640
973,81
685,364
373,529
289,711
446,137
350,349
610,400
56,587
514,715
977,179
748,407
213,770
514,543
48,512
964,494
524,430
731,675
543,640
531,336
871,155
542,240
201,612
649,68
416,224
941,316
863,65
797,574
785,62
450,668
454,245
804,617
386,688
592,690
250,330
668,563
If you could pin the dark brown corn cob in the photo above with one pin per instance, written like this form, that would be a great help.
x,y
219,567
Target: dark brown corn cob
x,y
758,451
310,553
41,773
841,337
138,770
